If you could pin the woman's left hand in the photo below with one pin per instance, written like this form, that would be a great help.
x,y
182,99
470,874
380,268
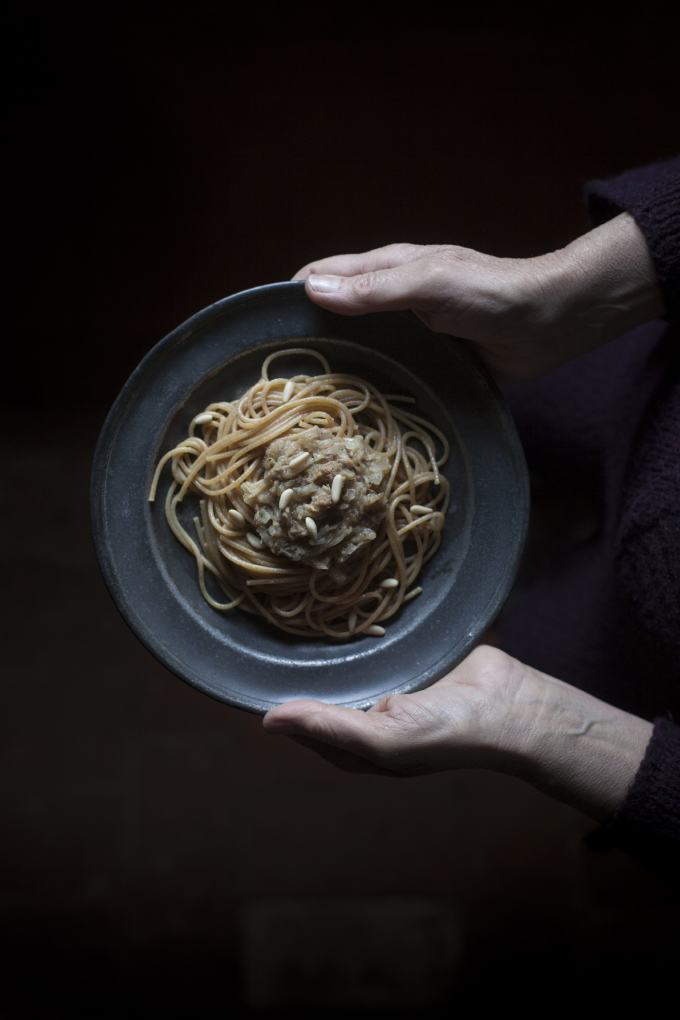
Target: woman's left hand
x,y
490,712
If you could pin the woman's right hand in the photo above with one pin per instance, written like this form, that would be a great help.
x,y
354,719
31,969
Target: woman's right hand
x,y
523,316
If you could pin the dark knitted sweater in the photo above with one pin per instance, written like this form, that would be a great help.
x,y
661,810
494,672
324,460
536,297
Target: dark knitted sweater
x,y
598,603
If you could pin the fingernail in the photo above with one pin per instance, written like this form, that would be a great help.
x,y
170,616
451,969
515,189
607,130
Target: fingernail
x,y
325,284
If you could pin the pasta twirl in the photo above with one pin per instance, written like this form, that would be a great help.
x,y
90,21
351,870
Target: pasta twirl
x,y
319,501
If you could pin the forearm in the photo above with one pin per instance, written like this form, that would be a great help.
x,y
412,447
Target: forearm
x,y
572,746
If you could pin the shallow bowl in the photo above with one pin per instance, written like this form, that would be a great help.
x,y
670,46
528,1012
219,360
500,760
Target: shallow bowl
x,y
234,656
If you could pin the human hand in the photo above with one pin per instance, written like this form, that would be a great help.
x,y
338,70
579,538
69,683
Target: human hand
x,y
523,316
490,712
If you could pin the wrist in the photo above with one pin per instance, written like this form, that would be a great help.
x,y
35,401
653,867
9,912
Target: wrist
x,y
596,288
572,746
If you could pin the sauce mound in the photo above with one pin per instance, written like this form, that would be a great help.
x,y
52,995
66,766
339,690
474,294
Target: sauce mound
x,y
309,464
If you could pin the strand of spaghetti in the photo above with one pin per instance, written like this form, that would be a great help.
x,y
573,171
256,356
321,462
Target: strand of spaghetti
x,y
157,473
429,446
289,613
347,594
188,542
424,519
408,468
226,424
263,611
210,491
228,530
256,418
231,552
293,350
428,427
287,584
201,580
293,408
224,568
396,460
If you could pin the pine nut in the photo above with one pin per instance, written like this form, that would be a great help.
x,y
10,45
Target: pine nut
x,y
237,519
254,540
288,391
375,630
336,488
389,582
203,419
285,498
311,527
299,462
417,509
352,621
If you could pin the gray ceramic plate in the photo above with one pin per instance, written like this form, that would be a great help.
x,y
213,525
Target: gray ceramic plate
x,y
236,657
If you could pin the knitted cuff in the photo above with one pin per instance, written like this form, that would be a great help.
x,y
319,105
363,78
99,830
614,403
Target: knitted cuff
x,y
647,825
651,194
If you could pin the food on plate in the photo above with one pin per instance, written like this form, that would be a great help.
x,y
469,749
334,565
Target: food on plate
x,y
319,499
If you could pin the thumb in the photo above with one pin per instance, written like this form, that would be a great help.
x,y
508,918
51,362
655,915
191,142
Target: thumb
x,y
419,285
361,733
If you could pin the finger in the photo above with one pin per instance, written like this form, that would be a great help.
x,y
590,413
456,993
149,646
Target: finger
x,y
365,262
344,760
344,728
422,285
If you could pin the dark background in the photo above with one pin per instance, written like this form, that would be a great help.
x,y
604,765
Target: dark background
x,y
162,156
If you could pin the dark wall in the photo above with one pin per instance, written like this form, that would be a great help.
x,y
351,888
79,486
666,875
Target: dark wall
x,y
172,153
165,155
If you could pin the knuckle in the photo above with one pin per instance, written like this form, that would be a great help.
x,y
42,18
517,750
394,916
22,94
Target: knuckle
x,y
435,271
451,253
366,285
488,659
445,260
404,251
482,654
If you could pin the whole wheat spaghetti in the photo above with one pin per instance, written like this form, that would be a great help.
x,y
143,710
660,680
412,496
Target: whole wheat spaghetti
x,y
320,501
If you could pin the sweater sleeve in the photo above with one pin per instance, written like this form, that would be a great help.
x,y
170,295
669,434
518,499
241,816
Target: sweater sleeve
x,y
647,825
648,541
651,194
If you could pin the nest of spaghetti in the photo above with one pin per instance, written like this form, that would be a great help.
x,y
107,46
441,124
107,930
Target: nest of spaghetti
x,y
319,501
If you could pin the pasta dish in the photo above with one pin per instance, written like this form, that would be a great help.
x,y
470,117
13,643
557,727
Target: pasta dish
x,y
319,501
